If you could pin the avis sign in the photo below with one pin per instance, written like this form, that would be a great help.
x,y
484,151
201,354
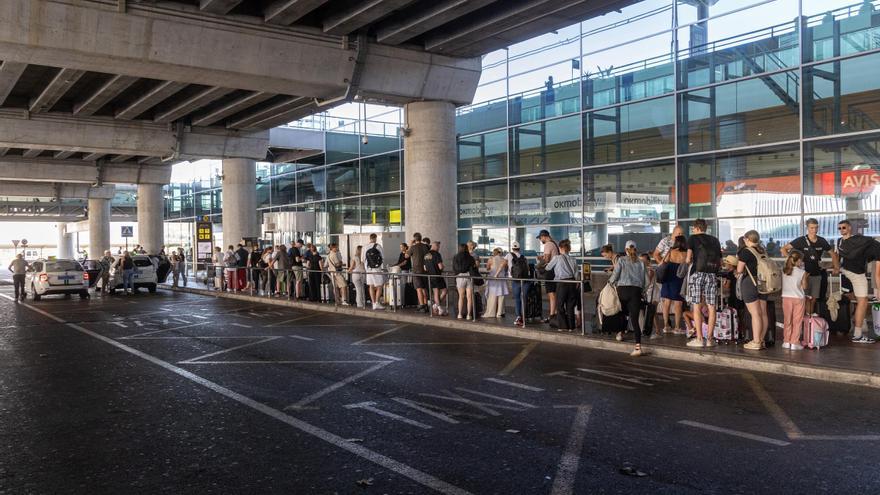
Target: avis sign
x,y
857,182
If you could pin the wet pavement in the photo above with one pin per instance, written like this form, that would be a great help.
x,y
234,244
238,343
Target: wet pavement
x,y
181,393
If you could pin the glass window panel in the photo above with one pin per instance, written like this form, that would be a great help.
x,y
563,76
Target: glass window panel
x,y
487,239
754,183
481,117
382,144
381,213
775,232
755,111
342,180
630,132
840,27
842,175
482,204
842,96
482,157
630,196
720,26
283,190
380,173
549,100
547,199
310,186
342,146
548,145
343,217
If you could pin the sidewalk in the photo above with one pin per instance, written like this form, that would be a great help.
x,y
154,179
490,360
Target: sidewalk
x,y
841,362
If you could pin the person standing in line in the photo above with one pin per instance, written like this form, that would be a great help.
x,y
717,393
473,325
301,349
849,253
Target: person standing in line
x,y
255,270
851,258
127,265
462,263
316,269
217,267
296,262
416,254
358,276
241,259
282,270
19,267
230,261
336,267
794,280
704,253
550,249
175,268
813,246
670,285
518,268
630,278
404,263
669,300
496,289
106,263
564,268
756,303
434,268
374,259
183,268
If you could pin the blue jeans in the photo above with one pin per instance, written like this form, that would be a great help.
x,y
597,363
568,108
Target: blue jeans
x,y
127,279
520,292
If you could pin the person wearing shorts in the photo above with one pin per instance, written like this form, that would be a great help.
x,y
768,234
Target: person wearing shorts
x,y
851,258
704,256
375,275
462,263
416,254
550,249
814,247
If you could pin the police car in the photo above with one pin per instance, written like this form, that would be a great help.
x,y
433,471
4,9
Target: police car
x,y
60,276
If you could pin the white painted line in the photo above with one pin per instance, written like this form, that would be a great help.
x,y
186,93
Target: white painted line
x,y
287,362
741,434
656,367
298,318
514,384
384,332
385,356
518,359
257,315
618,376
300,337
482,406
138,323
565,374
321,393
240,325
163,330
664,376
119,324
563,483
442,343
398,467
370,406
496,397
224,351
179,320
779,415
199,317
417,407
868,438
206,337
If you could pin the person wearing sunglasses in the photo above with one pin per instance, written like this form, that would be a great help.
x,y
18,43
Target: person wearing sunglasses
x,y
851,258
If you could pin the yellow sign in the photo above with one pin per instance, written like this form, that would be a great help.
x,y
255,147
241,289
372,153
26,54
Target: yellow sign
x,y
394,216
204,231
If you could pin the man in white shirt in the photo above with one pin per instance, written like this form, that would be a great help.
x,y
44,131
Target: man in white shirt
x,y
373,259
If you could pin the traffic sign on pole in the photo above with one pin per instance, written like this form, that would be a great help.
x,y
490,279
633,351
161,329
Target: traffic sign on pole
x,y
127,231
15,242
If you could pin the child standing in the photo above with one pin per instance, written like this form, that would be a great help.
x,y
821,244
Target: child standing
x,y
794,280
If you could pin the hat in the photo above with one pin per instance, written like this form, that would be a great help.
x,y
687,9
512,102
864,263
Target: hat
x,y
542,233
515,245
630,244
731,260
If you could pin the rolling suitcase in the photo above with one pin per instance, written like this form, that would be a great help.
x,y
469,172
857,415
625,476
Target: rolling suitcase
x,y
478,305
534,307
815,332
843,322
726,319
612,323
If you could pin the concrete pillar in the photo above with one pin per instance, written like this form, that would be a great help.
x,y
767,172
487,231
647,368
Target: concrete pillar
x,y
151,217
431,192
99,227
239,200
65,242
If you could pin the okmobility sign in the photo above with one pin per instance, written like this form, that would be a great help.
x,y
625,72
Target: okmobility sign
x,y
565,204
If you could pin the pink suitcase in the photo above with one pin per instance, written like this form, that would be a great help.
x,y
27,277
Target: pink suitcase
x,y
815,332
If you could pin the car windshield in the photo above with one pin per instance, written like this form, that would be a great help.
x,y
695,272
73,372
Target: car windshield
x,y
63,266
142,262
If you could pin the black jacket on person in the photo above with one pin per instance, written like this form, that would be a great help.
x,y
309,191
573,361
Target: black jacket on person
x,y
462,262
242,257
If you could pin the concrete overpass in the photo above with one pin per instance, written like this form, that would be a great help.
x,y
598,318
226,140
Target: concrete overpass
x,y
130,86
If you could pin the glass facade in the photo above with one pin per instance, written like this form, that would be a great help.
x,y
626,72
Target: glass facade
x,y
749,113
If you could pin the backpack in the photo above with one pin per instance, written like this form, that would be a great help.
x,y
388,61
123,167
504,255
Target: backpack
x,y
374,257
769,276
519,267
703,261
609,302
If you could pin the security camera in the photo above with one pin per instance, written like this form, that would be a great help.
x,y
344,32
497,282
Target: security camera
x,y
365,139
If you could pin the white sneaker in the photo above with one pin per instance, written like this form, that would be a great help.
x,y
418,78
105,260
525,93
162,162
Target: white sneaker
x,y
619,337
695,343
655,336
796,347
378,306
786,345
460,316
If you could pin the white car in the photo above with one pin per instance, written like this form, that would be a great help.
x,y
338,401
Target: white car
x,y
144,274
47,277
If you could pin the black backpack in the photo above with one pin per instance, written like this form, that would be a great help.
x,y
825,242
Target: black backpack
x,y
519,267
374,257
706,261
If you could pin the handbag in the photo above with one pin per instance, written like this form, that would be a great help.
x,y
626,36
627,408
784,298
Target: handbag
x,y
683,270
476,276
662,271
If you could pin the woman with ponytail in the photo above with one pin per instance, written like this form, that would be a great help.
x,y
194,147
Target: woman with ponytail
x,y
794,280
630,278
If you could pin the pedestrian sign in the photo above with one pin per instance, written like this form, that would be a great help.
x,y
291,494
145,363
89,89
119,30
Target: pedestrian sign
x,y
127,231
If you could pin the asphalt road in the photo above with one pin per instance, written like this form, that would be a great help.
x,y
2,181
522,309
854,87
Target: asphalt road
x,y
179,393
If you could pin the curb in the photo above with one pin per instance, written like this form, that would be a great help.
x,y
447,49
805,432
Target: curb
x,y
763,365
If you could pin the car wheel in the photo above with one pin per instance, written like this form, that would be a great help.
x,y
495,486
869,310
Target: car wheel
x,y
84,295
36,295
152,289
112,290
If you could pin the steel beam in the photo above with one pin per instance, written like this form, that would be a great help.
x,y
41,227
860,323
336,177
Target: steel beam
x,y
266,117
218,6
58,86
63,155
433,17
361,14
32,153
230,108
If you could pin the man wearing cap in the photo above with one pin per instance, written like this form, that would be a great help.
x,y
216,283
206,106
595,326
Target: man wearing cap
x,y
516,263
551,249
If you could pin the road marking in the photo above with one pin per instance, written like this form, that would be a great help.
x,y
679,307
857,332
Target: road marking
x,y
300,337
502,399
516,361
514,384
257,315
619,376
179,320
385,356
418,407
138,323
370,406
384,332
241,325
290,320
199,317
286,362
119,324
565,374
791,430
665,368
664,376
224,351
444,343
206,337
163,330
386,462
482,406
336,386
563,483
869,438
741,434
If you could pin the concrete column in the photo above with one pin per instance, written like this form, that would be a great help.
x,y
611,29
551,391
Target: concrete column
x,y
431,204
239,200
65,242
151,217
99,227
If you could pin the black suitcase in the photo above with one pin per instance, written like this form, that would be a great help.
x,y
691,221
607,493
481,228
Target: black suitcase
x,y
478,305
613,323
843,323
534,306
650,315
410,296
745,325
